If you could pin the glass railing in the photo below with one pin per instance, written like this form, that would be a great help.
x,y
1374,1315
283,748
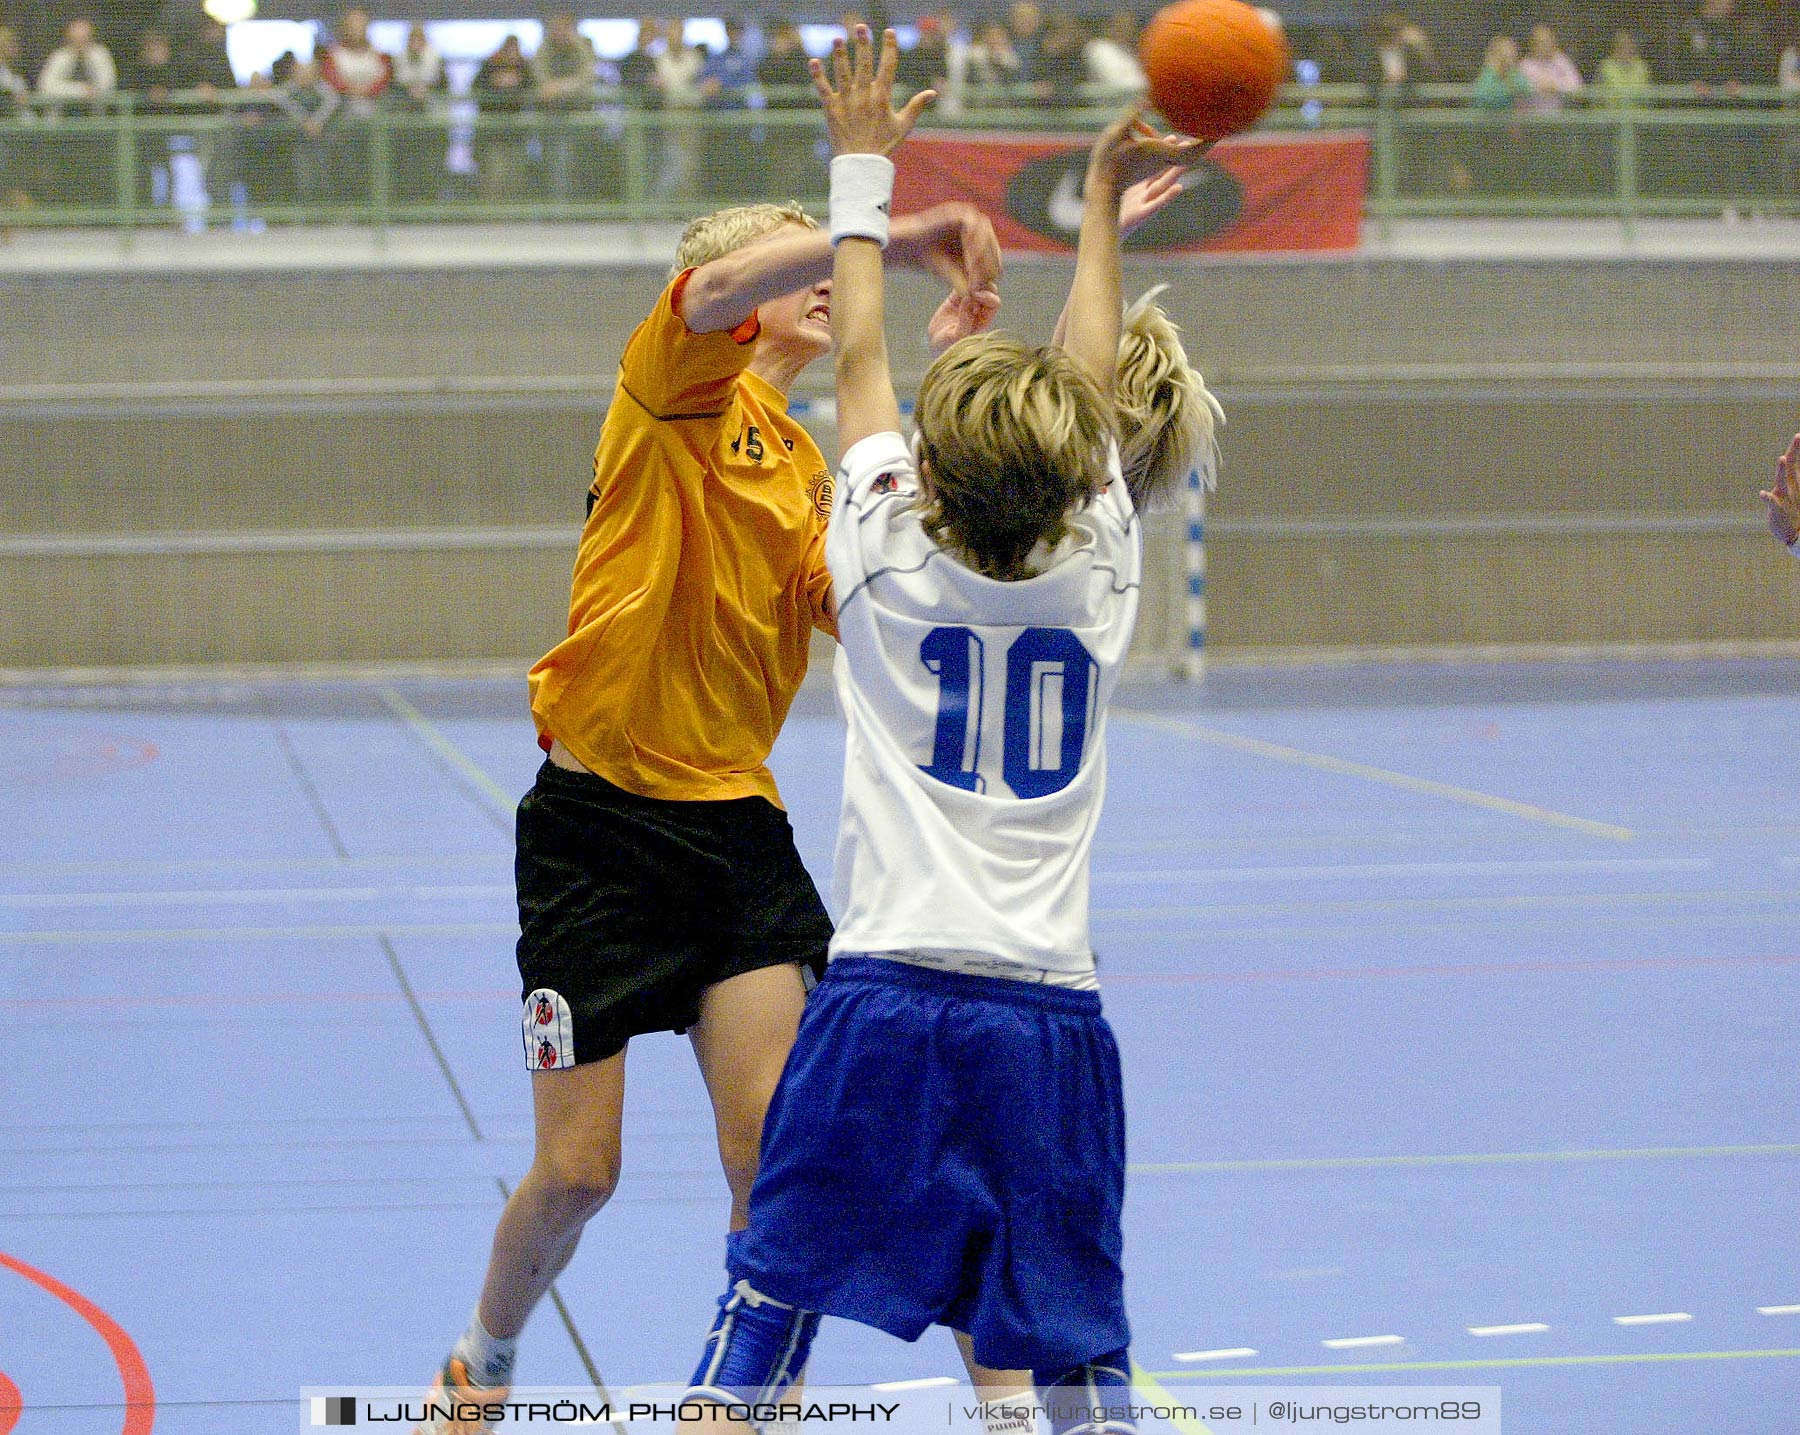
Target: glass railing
x,y
243,160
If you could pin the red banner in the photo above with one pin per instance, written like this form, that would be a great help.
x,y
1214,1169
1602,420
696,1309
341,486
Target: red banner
x,y
1254,193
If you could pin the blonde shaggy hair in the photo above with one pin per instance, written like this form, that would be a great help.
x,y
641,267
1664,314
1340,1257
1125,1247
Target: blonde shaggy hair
x,y
1167,417
1011,440
712,236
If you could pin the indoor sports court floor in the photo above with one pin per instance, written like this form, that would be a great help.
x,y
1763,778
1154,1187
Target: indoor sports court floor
x,y
1453,1000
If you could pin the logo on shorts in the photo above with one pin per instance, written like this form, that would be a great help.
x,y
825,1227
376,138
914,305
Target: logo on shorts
x,y
549,1028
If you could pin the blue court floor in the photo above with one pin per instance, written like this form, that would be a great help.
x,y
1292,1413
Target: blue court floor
x,y
1458,1008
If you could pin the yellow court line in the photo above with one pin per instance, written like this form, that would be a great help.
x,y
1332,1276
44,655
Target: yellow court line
x,y
1322,762
450,752
1149,1385
1518,1362
1472,1158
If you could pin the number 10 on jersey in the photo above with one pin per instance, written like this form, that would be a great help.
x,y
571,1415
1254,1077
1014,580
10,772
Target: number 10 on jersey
x,y
1047,704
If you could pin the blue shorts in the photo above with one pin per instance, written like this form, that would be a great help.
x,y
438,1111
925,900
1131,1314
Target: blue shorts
x,y
947,1149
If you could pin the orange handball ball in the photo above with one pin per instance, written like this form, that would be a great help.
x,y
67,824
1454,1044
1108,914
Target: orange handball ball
x,y
1213,65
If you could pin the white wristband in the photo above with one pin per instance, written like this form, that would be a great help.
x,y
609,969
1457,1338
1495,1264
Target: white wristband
x,y
862,187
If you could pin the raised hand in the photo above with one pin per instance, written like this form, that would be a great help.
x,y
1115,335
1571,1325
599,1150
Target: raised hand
x,y
1784,498
961,315
955,241
858,98
1149,197
1129,153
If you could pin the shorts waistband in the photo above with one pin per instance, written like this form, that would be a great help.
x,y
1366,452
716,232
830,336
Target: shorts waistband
x,y
963,984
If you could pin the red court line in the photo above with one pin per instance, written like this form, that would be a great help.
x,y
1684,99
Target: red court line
x,y
1447,969
140,1391
10,1404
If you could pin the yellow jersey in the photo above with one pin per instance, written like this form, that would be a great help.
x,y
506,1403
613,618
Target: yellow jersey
x,y
700,576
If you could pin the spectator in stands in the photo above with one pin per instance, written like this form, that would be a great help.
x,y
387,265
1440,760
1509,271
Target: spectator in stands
x,y
354,67
1559,163
927,65
677,81
565,66
1550,74
418,92
678,69
782,70
637,70
150,76
1500,87
1025,29
80,77
204,63
502,90
253,161
1061,68
418,72
15,89
1499,90
1624,77
728,73
566,72
1111,57
995,63
80,69
1404,59
360,74
1712,50
312,104
152,80
15,95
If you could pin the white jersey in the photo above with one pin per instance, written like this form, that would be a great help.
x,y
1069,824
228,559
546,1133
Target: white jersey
x,y
975,759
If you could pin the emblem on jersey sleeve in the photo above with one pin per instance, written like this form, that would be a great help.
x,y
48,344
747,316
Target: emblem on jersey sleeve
x,y
823,492
887,483
549,1029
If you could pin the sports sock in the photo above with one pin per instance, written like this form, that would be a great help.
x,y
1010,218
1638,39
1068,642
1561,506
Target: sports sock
x,y
488,1356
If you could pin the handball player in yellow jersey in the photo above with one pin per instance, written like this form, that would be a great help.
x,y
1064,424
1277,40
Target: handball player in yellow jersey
x,y
659,887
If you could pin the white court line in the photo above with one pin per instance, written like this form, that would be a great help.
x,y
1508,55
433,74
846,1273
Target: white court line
x,y
1242,1352
929,1382
1666,1318
1531,1327
1778,1310
1406,782
1597,865
1362,1342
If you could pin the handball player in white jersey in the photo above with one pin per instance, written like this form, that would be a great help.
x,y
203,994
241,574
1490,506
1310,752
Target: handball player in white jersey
x,y
947,1145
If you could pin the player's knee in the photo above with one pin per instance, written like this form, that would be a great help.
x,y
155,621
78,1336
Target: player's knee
x,y
1093,1398
739,1154
578,1182
756,1350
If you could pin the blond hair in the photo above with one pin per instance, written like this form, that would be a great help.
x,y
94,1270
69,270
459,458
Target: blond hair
x,y
1167,417
1011,440
714,235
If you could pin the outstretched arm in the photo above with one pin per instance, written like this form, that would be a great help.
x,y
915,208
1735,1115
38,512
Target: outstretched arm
x,y
1784,498
955,241
864,129
1119,159
1139,204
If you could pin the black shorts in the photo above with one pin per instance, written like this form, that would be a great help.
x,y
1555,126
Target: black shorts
x,y
630,907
